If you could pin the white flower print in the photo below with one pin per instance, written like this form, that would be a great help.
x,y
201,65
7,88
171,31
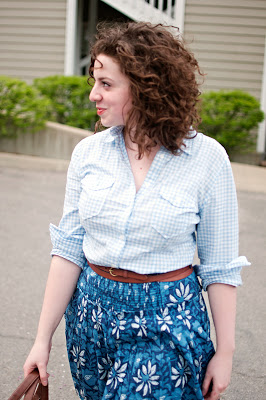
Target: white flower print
x,y
105,367
198,364
117,374
118,325
146,378
201,301
165,320
172,345
140,324
82,394
191,342
182,295
146,286
184,314
78,356
82,310
181,375
97,318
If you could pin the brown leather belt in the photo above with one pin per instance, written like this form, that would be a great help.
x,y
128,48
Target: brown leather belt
x,y
123,275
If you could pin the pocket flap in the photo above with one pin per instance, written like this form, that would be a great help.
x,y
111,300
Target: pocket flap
x,y
177,198
97,182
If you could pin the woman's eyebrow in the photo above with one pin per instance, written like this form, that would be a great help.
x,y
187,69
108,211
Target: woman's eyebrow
x,y
103,78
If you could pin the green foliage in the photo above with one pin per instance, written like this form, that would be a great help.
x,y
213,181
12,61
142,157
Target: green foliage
x,y
70,98
22,107
229,117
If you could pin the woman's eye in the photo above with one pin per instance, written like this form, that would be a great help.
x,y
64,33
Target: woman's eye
x,y
105,84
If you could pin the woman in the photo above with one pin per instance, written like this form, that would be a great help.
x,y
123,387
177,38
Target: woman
x,y
138,194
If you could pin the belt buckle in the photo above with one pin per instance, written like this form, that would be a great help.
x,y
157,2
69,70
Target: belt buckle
x,y
111,272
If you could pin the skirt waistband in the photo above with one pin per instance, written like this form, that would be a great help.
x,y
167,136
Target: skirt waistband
x,y
121,296
122,275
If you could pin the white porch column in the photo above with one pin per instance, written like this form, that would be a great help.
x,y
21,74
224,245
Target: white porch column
x,y
71,37
261,143
180,14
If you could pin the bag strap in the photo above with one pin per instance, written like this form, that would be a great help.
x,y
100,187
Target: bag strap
x,y
28,388
41,393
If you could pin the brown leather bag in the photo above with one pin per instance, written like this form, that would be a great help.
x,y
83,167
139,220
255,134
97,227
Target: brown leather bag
x,y
31,388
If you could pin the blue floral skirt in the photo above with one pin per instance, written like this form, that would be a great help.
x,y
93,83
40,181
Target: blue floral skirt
x,y
138,341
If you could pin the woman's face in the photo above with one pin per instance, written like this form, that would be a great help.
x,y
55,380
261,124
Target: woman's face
x,y
111,92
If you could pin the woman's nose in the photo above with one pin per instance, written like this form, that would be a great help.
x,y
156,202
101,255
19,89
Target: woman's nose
x,y
94,94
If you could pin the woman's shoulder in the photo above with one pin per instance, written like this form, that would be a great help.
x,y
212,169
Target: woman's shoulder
x,y
208,143
94,139
91,143
209,149
91,150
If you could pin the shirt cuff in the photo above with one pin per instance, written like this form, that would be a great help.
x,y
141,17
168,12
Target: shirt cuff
x,y
78,261
228,274
67,246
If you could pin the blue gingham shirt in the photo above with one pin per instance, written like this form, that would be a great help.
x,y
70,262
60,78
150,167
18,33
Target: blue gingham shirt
x,y
186,201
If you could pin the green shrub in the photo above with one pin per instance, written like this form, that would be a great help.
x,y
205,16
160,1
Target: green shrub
x,y
22,107
229,117
70,98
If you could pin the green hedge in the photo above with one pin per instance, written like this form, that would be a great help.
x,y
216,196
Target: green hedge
x,y
229,117
22,107
70,98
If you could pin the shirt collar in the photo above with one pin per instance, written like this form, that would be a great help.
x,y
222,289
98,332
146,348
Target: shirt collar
x,y
188,142
113,133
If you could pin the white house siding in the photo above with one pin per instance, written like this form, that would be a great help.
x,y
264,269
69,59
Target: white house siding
x,y
229,41
32,38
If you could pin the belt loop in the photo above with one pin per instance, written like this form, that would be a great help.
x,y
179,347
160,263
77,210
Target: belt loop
x,y
125,273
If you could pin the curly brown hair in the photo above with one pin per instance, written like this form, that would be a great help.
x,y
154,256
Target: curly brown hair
x,y
163,81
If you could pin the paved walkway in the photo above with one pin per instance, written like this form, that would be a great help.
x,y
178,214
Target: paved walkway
x,y
32,191
249,178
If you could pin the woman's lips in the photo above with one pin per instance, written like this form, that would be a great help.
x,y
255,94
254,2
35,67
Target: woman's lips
x,y
100,111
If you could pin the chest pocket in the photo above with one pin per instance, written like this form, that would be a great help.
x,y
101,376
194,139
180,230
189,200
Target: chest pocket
x,y
175,214
95,189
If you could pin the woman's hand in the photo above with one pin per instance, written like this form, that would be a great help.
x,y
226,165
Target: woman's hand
x,y
38,358
222,299
217,376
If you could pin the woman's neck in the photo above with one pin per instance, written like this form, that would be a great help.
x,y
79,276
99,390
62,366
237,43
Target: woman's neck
x,y
133,148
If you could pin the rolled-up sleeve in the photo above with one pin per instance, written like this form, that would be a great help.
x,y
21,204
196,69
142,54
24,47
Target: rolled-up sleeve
x,y
67,238
217,232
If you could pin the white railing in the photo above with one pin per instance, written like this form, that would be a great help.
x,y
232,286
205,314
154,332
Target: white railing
x,y
170,12
156,11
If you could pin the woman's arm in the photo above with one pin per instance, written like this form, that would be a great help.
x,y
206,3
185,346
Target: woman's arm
x,y
222,300
60,286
